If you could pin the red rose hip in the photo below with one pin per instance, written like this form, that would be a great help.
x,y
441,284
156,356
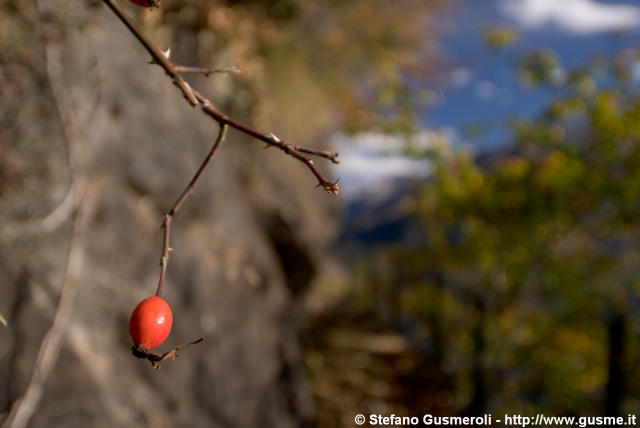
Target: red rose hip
x,y
150,322
146,3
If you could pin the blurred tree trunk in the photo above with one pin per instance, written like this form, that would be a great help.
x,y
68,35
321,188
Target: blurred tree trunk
x,y
479,401
617,325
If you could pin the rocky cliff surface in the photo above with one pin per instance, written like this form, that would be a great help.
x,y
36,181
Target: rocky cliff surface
x,y
94,146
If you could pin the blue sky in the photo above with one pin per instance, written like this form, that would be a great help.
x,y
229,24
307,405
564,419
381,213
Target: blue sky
x,y
481,87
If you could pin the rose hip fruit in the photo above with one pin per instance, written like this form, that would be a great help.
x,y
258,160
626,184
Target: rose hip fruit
x,y
146,3
150,323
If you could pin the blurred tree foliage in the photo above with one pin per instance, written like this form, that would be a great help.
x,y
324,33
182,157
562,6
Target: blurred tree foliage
x,y
307,66
499,37
526,289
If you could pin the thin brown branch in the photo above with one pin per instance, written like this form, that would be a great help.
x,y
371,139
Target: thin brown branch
x,y
271,140
332,156
203,70
194,97
157,55
166,224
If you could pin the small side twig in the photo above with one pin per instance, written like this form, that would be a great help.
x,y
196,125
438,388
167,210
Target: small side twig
x,y
271,140
204,70
156,359
194,98
332,156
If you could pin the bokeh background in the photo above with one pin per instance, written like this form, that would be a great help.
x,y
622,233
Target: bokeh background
x,y
482,256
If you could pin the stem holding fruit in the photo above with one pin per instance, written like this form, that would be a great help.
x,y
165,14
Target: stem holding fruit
x,y
166,224
156,324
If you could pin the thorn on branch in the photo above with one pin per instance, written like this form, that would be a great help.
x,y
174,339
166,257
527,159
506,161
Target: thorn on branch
x,y
166,54
274,138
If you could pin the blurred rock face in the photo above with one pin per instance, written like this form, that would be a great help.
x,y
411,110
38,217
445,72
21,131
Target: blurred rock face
x,y
79,104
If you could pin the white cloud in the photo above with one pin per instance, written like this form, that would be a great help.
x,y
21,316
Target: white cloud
x,y
460,77
485,89
384,168
377,143
635,71
579,17
370,160
362,174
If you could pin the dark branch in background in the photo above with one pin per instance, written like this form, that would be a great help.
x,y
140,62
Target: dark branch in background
x,y
49,351
195,98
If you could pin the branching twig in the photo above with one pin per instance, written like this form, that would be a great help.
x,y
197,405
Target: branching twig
x,y
166,224
271,140
157,55
155,359
194,98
